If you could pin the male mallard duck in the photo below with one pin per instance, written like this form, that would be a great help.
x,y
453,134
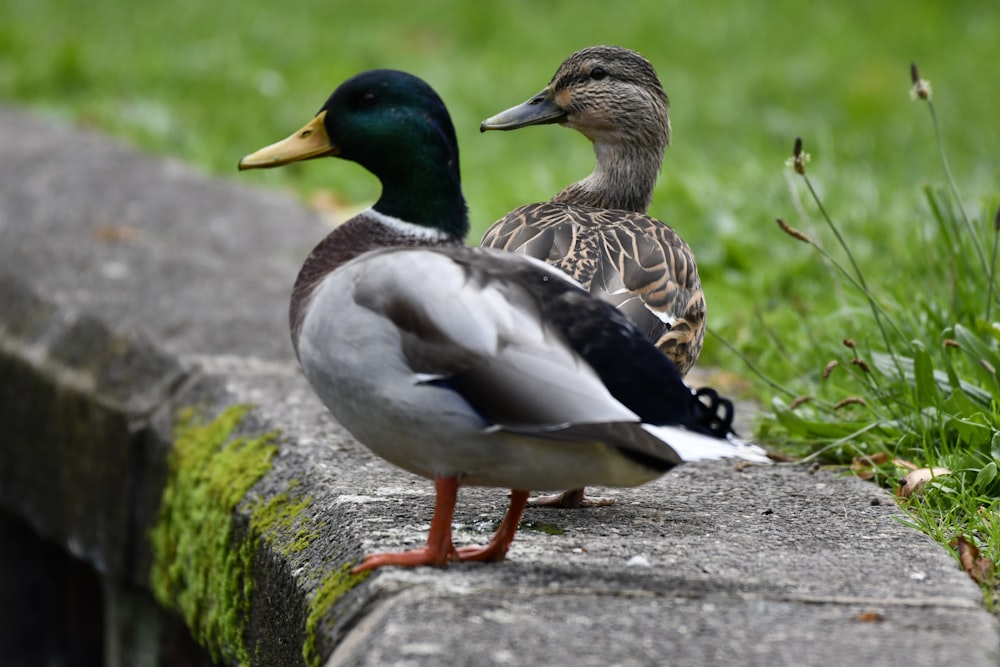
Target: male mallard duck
x,y
596,230
465,365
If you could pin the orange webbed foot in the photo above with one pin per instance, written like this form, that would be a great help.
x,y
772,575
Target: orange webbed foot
x,y
499,544
411,558
572,499
439,550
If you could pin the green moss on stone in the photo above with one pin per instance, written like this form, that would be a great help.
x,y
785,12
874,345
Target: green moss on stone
x,y
197,569
334,586
284,515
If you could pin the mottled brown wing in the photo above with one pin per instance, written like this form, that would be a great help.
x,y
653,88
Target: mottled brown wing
x,y
649,273
567,237
635,262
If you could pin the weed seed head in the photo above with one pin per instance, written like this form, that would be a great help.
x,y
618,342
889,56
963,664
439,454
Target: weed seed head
x,y
799,401
799,158
850,400
791,231
830,365
860,363
921,88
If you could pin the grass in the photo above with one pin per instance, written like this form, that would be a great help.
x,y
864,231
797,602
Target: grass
x,y
920,390
209,82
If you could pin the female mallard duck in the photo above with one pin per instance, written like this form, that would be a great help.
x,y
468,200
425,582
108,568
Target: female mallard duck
x,y
596,230
465,365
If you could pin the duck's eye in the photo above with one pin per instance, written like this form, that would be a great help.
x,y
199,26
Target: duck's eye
x,y
368,100
598,73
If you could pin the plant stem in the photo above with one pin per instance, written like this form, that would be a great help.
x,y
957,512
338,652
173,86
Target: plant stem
x,y
749,364
954,189
876,309
993,264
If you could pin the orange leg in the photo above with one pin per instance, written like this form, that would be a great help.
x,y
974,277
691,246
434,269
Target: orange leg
x,y
439,550
496,550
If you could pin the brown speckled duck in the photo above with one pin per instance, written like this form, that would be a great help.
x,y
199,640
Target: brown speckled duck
x,y
596,229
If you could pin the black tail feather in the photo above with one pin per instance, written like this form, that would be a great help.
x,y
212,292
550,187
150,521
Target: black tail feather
x,y
714,413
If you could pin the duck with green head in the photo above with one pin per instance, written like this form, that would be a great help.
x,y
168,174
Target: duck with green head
x,y
464,365
596,229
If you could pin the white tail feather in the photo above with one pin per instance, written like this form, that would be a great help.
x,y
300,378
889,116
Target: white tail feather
x,y
691,446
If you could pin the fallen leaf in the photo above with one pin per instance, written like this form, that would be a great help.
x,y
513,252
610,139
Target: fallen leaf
x,y
869,617
983,572
778,457
864,466
115,233
968,552
915,481
980,569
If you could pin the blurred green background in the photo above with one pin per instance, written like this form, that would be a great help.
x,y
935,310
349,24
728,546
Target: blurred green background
x,y
209,82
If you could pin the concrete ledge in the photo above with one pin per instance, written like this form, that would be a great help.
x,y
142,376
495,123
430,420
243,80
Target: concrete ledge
x,y
156,428
77,461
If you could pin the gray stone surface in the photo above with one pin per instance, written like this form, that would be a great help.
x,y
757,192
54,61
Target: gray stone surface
x,y
131,287
201,266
